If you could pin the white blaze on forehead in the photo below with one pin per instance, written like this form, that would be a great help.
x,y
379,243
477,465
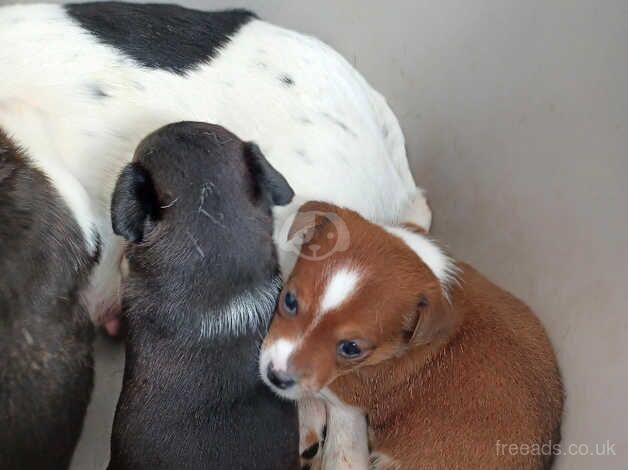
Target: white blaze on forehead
x,y
340,287
439,263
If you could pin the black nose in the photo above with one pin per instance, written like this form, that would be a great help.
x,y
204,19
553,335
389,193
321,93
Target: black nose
x,y
278,378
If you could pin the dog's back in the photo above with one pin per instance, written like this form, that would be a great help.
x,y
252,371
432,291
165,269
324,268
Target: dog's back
x,y
491,393
46,333
195,407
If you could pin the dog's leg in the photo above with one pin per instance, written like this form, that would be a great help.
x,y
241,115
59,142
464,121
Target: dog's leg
x,y
346,445
312,430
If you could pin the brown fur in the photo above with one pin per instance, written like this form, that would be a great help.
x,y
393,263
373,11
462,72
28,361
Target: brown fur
x,y
445,380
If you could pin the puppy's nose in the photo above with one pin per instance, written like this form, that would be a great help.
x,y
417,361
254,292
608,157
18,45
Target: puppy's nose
x,y
278,378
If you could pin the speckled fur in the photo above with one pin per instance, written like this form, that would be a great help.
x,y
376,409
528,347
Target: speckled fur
x,y
317,120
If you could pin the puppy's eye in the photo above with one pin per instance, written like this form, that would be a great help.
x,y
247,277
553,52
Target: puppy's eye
x,y
290,303
349,349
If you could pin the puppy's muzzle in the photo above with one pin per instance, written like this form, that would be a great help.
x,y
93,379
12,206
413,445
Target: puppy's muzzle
x,y
280,379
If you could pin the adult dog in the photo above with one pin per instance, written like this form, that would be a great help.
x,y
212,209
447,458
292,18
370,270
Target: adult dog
x,y
95,78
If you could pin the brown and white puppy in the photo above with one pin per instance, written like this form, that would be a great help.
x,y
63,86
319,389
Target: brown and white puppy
x,y
442,364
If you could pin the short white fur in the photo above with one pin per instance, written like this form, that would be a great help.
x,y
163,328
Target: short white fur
x,y
244,313
441,265
346,445
340,287
278,354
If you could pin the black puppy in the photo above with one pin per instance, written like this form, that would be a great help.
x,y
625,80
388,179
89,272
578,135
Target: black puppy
x,y
203,278
46,364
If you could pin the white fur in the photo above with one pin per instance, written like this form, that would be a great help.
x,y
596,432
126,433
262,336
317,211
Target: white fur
x,y
339,289
346,446
76,199
51,63
244,312
312,420
430,253
44,155
418,212
278,354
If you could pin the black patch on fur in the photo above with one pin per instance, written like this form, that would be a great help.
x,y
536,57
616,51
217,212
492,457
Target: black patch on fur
x,y
311,451
167,37
286,80
340,124
96,91
307,466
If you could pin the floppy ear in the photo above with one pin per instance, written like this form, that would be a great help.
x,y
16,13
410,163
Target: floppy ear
x,y
435,319
133,203
311,216
269,180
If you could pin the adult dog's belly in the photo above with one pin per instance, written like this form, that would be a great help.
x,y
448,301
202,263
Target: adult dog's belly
x,y
313,115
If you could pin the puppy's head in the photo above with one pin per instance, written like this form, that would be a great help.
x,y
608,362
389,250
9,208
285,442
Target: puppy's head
x,y
383,295
199,199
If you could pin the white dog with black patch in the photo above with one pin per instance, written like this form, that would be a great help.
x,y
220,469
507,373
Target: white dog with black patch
x,y
94,79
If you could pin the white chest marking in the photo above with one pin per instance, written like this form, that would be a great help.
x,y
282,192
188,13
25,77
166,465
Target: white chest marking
x,y
346,446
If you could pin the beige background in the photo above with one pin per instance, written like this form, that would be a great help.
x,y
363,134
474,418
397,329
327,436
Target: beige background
x,y
516,119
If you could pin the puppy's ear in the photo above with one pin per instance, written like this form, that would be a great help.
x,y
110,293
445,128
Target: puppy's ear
x,y
134,202
434,319
269,180
312,216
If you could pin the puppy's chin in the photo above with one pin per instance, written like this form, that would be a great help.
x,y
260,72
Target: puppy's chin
x,y
293,393
300,391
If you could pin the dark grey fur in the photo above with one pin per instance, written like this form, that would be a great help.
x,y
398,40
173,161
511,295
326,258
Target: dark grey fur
x,y
196,205
46,365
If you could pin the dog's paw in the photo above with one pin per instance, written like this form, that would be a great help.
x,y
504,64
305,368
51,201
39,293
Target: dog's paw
x,y
380,461
312,433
